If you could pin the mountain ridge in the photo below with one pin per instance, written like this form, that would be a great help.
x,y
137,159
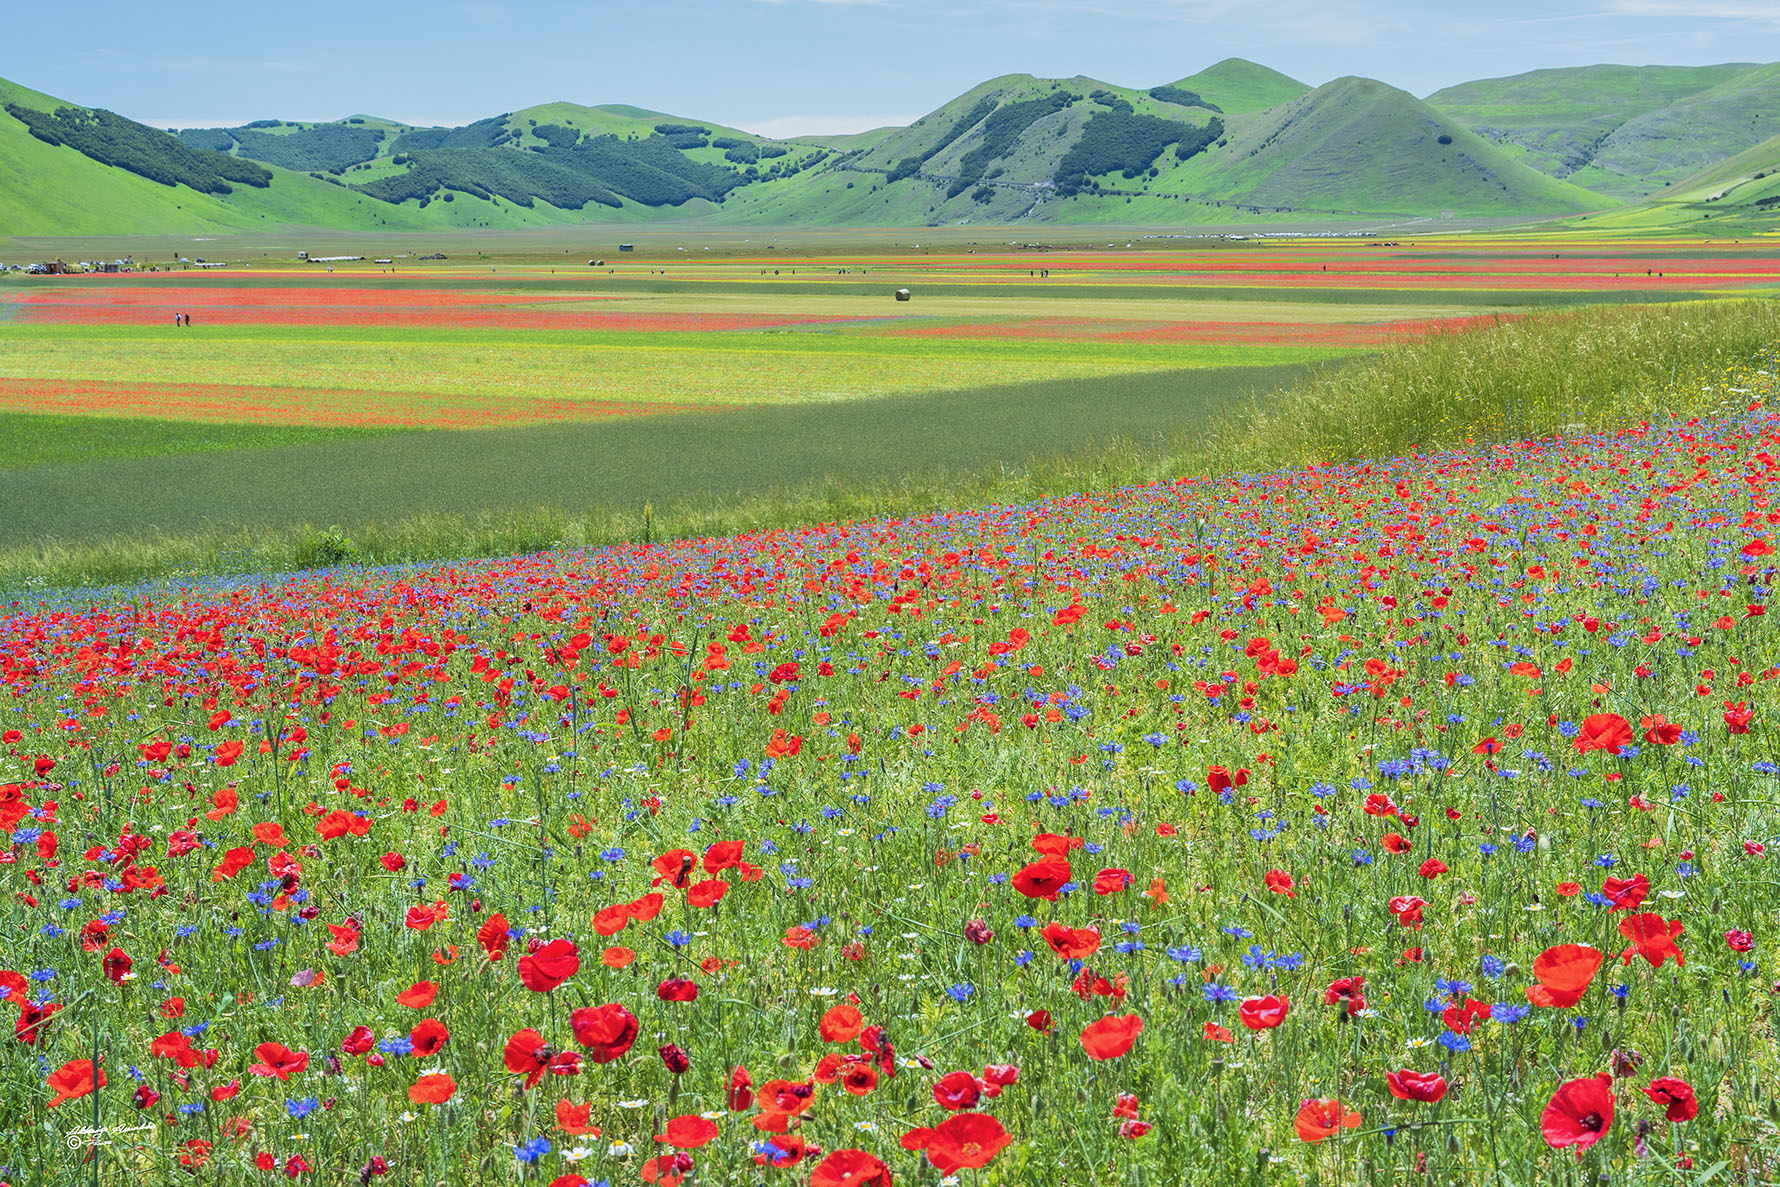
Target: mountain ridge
x,y
1232,142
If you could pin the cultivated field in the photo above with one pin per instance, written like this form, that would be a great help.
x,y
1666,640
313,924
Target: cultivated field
x,y
725,387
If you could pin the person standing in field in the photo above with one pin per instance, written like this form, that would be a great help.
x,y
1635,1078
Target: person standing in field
x,y
178,319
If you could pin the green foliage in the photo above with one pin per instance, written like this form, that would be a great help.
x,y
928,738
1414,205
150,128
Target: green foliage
x,y
1182,97
682,140
209,139
329,148
1123,142
651,172
1000,131
110,139
482,134
982,194
742,152
682,130
601,170
521,178
1112,100
909,166
556,135
326,548
1597,368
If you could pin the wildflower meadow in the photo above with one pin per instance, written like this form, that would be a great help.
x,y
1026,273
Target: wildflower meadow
x,y
1403,820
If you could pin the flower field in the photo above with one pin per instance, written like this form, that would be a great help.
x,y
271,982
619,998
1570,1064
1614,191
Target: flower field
x,y
1402,818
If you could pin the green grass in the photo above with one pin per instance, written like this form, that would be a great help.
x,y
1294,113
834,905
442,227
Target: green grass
x,y
504,368
1239,86
31,439
1554,373
427,495
456,493
1633,129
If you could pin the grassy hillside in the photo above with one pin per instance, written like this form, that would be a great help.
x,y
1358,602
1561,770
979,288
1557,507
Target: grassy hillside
x,y
1624,131
1735,197
1239,86
1356,144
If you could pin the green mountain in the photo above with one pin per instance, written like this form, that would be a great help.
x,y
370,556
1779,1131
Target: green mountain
x,y
1358,145
1239,86
1230,143
1623,131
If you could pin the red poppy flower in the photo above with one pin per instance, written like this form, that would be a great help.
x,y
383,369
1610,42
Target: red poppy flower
x,y
1040,1020
675,866
1112,1036
1042,878
1111,881
677,989
116,965
957,1090
1345,992
428,1036
1580,1113
423,916
358,1041
688,1132
1408,909
1627,894
1395,843
841,1024
708,893
1460,1017
961,1140
1318,1119
526,1054
850,1168
492,935
1677,1097
667,1170
606,1031
741,1090
572,1119
433,1089
74,1080
549,966
1659,731
418,996
1071,943
721,855
1564,973
1426,1087
1263,1013
278,1060
1280,882
1604,731
609,921
1653,938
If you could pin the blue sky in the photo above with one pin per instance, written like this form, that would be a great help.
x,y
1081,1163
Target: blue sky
x,y
799,66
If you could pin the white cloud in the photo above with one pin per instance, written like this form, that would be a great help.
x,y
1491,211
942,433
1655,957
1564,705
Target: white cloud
x,y
789,127
1722,10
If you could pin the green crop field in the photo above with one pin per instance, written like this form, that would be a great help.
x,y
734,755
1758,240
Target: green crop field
x,y
502,400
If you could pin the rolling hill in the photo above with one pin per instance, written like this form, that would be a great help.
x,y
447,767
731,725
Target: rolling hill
x,y
1622,131
1231,143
